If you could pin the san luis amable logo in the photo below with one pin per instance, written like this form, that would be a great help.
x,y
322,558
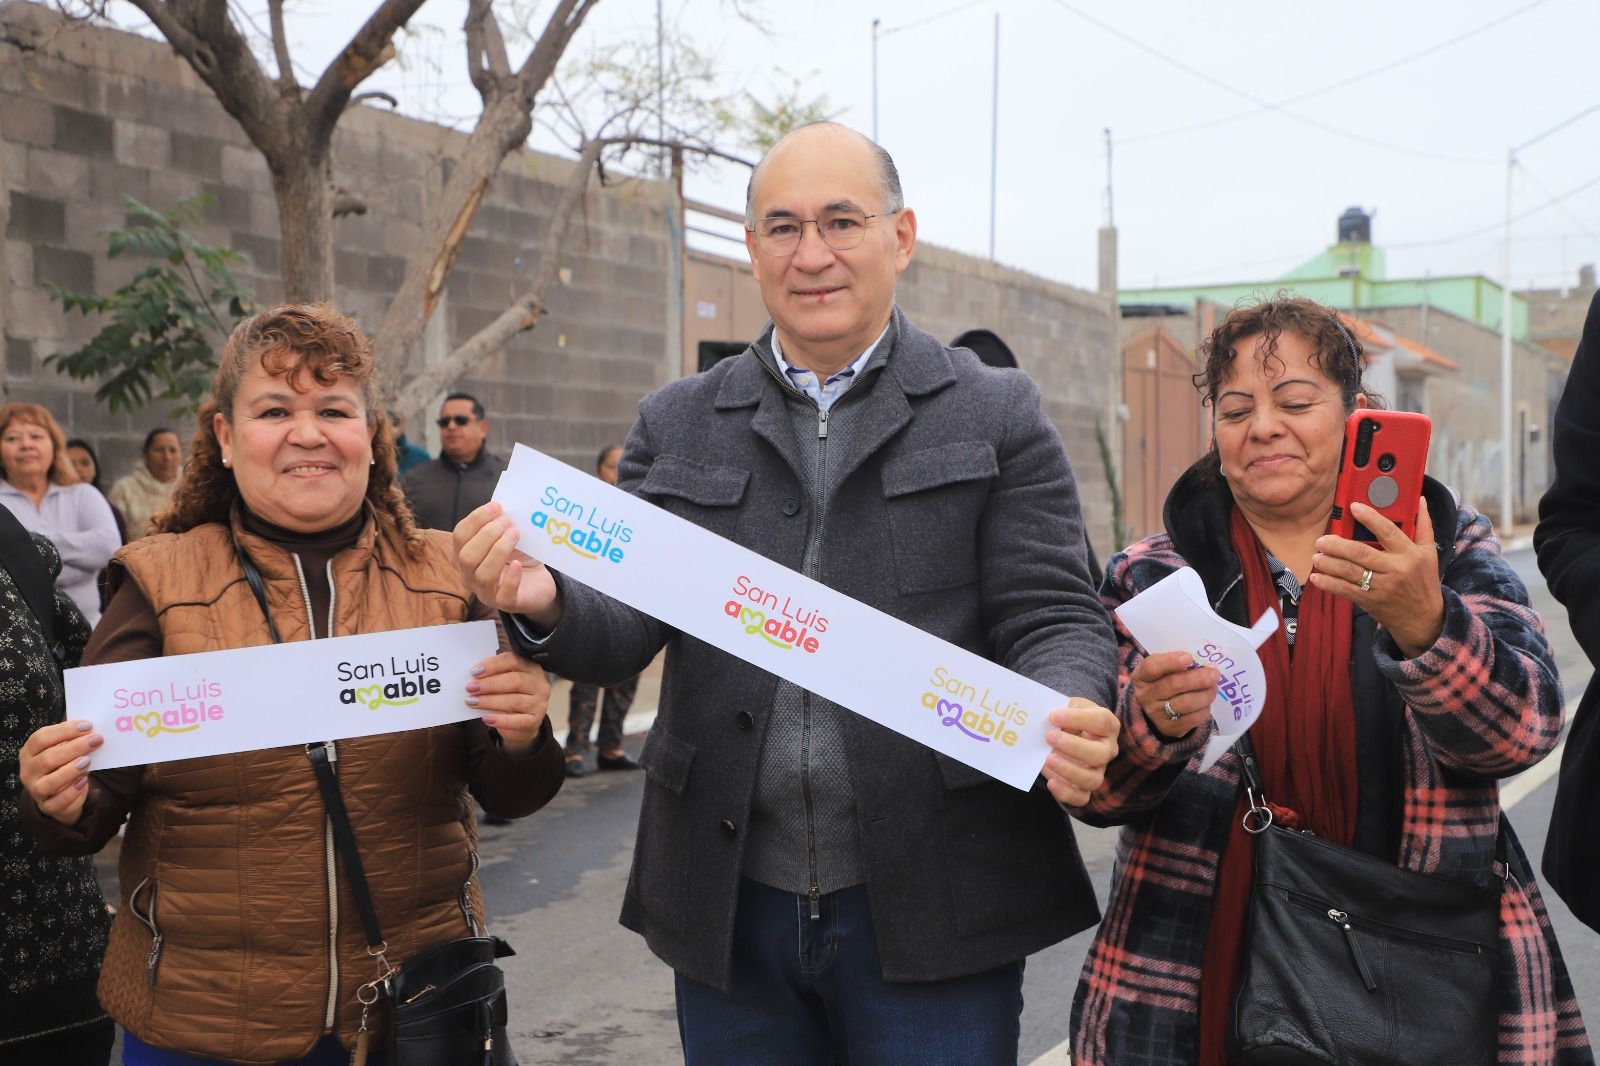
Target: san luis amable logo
x,y
781,622
580,528
176,708
398,681
985,718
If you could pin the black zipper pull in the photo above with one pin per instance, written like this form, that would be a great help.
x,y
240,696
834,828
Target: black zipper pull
x,y
1355,948
816,904
822,425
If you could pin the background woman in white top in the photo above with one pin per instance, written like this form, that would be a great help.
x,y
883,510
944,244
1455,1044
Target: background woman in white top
x,y
42,490
146,492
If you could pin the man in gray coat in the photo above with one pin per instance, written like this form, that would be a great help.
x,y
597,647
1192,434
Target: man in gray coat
x,y
825,889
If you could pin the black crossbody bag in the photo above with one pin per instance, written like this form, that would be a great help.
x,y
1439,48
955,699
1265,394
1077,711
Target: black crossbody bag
x,y
1352,960
447,1004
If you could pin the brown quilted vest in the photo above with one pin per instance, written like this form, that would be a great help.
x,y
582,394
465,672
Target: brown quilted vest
x,y
224,947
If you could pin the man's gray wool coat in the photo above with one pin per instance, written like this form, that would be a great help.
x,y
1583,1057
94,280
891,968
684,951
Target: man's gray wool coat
x,y
952,506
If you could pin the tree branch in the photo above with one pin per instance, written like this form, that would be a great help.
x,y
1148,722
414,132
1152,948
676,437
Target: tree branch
x,y
280,49
552,44
486,49
203,34
369,49
525,312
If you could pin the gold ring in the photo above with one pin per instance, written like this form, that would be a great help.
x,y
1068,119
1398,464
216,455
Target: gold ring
x,y
1366,581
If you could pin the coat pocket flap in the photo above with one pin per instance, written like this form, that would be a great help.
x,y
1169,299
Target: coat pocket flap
x,y
666,759
702,483
947,464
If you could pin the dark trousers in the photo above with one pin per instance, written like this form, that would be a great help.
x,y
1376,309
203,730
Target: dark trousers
x,y
810,992
580,715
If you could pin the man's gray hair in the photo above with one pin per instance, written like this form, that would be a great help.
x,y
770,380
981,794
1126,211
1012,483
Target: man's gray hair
x,y
888,175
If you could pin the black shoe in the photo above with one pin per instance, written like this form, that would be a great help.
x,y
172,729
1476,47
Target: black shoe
x,y
616,762
575,767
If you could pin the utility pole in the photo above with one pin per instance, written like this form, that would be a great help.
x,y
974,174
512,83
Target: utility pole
x,y
994,138
1507,441
1507,445
875,23
661,87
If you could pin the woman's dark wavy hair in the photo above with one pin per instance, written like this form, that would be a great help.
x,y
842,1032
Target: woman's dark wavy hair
x,y
285,341
1334,349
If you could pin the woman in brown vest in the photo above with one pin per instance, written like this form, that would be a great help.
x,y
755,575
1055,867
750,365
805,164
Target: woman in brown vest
x,y
237,938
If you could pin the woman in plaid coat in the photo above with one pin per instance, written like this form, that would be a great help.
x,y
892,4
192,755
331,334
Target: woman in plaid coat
x,y
1403,684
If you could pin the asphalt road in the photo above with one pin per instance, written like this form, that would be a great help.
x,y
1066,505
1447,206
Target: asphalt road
x,y
586,991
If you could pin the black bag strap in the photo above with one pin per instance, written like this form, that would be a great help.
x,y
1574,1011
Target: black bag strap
x,y
1260,815
323,755
28,573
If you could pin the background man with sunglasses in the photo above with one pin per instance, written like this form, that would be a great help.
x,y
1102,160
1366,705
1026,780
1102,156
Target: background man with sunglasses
x,y
827,890
445,490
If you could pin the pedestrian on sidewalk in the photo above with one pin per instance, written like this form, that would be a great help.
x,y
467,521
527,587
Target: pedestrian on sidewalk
x,y
826,889
1568,543
584,697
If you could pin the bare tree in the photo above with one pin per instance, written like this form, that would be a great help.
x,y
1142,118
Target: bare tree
x,y
615,107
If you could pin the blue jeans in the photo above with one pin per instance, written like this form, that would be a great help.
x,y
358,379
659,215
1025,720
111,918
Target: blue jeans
x,y
812,993
327,1052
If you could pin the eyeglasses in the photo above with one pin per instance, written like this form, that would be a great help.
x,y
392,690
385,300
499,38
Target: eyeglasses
x,y
840,229
446,421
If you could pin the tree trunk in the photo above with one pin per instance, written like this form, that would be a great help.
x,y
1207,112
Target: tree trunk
x,y
505,124
303,187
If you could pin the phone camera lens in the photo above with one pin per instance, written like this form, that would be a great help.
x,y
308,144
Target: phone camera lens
x,y
1386,462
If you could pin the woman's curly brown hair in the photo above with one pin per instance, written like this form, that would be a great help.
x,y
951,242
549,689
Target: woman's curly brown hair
x,y
1334,349
286,341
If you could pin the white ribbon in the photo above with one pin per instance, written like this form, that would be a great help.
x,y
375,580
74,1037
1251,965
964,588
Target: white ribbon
x,y
219,702
768,615
1174,615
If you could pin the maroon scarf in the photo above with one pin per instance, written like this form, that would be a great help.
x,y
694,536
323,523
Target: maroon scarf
x,y
1305,746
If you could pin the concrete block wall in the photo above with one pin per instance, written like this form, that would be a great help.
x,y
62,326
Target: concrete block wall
x,y
1065,338
88,115
1465,408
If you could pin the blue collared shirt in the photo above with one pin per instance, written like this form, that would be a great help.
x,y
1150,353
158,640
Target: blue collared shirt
x,y
828,391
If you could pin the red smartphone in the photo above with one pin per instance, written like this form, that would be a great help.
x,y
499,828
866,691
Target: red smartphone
x,y
1385,454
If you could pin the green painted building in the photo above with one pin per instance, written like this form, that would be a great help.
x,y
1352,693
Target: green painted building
x,y
1353,276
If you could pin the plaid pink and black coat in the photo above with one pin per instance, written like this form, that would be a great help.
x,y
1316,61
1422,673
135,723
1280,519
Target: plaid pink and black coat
x,y
1482,704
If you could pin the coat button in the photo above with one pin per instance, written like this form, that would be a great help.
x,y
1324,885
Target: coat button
x,y
728,827
745,720
791,507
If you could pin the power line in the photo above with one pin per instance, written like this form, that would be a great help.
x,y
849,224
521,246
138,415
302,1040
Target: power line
x,y
1559,202
1494,227
930,18
1383,68
1261,103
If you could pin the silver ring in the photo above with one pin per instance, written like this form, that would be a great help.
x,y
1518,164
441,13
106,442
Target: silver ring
x,y
1366,581
1172,715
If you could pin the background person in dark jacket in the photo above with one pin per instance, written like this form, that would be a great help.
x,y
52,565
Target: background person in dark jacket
x,y
444,491
1568,542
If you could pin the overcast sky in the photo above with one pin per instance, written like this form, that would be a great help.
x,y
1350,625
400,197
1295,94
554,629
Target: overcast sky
x,y
1209,185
